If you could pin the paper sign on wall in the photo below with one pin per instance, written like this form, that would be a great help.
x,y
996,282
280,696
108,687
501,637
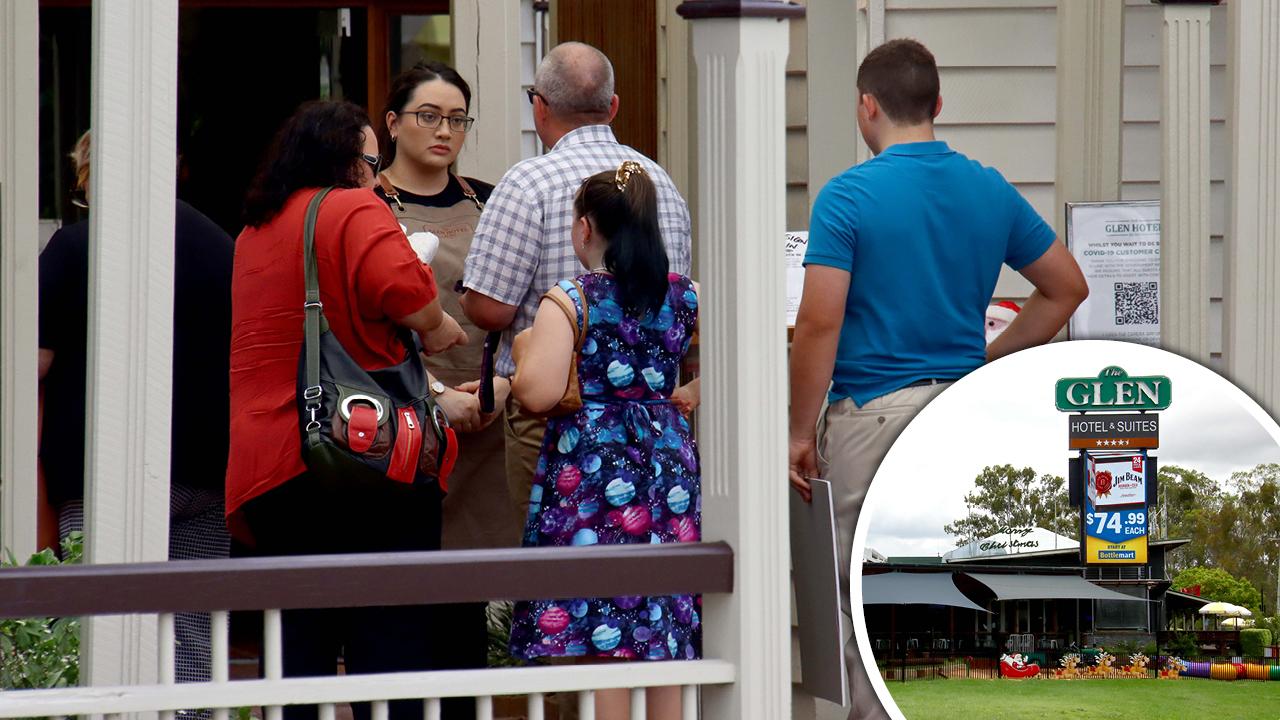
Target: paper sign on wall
x,y
797,245
1117,245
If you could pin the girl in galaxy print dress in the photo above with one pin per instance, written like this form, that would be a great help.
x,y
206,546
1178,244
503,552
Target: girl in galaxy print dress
x,y
624,468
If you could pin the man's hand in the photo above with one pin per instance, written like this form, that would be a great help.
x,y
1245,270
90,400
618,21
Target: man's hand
x,y
462,409
445,335
803,465
501,389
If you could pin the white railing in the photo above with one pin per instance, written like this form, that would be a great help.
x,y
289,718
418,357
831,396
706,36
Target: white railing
x,y
158,590
275,691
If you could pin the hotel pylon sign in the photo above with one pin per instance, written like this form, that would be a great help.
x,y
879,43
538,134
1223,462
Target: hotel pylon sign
x,y
1113,426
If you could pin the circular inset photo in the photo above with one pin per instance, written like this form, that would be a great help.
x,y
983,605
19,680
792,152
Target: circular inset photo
x,y
1086,529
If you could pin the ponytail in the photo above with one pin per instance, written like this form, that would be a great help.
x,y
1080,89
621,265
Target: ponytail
x,y
623,206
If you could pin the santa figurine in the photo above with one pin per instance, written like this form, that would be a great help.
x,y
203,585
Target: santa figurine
x,y
999,315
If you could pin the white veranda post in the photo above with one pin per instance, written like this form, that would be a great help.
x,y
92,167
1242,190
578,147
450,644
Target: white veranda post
x,y
132,182
741,52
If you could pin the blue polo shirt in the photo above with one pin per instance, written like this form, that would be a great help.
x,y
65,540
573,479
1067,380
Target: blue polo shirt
x,y
923,231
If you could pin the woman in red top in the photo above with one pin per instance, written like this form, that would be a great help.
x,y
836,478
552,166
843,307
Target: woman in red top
x,y
371,284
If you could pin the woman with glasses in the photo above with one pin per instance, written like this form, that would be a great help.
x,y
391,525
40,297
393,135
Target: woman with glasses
x,y
425,121
372,286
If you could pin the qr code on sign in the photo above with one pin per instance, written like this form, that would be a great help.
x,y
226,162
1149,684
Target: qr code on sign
x,y
1137,303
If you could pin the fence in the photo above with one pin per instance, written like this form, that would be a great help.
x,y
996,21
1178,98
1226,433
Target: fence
x,y
275,584
934,657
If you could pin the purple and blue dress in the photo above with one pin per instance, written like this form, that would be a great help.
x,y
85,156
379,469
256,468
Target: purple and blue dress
x,y
623,469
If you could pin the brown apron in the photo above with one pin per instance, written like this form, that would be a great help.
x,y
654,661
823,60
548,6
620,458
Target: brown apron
x,y
477,510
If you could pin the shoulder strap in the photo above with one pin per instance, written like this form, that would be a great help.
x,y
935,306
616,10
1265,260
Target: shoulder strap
x,y
570,309
313,311
390,190
470,193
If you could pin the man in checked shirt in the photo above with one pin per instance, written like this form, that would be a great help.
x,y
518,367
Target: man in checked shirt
x,y
522,246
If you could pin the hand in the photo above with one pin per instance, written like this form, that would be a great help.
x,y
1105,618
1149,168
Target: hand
x,y
519,344
462,409
803,463
446,335
501,389
688,397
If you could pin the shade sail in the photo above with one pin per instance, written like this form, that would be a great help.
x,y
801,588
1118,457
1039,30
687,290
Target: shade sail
x,y
900,588
1046,587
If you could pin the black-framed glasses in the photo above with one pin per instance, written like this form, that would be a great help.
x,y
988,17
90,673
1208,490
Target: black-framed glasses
x,y
431,120
79,198
375,161
532,92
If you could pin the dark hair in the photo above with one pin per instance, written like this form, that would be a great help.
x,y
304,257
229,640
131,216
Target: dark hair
x,y
903,77
318,146
402,89
628,219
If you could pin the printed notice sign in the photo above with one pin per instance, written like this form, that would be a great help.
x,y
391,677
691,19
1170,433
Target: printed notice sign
x,y
797,244
1117,245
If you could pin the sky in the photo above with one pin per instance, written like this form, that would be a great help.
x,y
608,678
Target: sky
x,y
1004,413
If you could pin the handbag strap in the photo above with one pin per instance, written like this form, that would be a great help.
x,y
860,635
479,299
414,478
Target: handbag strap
x,y
570,307
313,310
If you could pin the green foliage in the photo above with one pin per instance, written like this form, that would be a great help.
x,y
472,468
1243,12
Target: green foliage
x,y
1218,584
40,653
1273,624
1009,497
500,616
1234,525
1183,645
1253,640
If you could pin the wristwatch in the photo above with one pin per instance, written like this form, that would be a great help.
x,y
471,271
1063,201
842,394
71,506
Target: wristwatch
x,y
437,387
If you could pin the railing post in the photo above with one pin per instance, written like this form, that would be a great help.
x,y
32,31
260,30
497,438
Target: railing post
x,y
741,52
132,176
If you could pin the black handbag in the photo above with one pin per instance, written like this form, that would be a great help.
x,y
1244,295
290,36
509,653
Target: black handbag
x,y
359,424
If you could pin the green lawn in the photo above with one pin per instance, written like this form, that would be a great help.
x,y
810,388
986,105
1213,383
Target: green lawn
x,y
1182,699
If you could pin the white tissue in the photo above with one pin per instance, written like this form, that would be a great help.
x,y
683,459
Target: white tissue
x,y
425,244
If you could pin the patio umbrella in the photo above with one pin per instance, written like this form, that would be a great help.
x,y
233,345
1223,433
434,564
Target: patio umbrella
x,y
1219,608
1237,622
1243,612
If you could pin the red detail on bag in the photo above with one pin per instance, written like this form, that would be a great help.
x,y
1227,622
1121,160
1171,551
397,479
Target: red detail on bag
x,y
449,458
362,428
404,456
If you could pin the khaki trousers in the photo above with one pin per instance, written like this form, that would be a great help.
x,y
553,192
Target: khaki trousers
x,y
851,443
523,446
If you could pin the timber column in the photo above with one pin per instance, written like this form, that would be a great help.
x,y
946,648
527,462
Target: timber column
x,y
1090,86
740,47
131,185
1252,305
1184,178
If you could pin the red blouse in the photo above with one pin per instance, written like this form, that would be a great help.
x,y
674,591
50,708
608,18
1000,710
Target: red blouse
x,y
368,275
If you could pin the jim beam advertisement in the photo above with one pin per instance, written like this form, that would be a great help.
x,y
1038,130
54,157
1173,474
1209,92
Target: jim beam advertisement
x,y
1114,481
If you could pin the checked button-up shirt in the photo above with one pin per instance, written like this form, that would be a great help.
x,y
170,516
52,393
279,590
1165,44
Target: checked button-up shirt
x,y
522,246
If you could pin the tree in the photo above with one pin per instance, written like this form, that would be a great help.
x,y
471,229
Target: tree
x,y
1249,528
1218,584
1006,496
1189,503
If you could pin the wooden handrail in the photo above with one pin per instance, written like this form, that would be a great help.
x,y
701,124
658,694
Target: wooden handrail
x,y
376,579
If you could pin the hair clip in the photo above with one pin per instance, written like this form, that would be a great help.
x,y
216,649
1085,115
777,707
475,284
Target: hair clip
x,y
625,171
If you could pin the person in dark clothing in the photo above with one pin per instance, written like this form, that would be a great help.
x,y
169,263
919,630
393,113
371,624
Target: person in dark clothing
x,y
201,351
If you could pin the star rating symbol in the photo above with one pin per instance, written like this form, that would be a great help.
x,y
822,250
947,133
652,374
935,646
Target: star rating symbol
x,y
1111,443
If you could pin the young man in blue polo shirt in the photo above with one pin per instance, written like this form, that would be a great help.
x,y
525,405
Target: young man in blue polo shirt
x,y
904,253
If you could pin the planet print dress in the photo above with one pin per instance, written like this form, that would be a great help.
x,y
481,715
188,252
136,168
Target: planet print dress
x,y
623,469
